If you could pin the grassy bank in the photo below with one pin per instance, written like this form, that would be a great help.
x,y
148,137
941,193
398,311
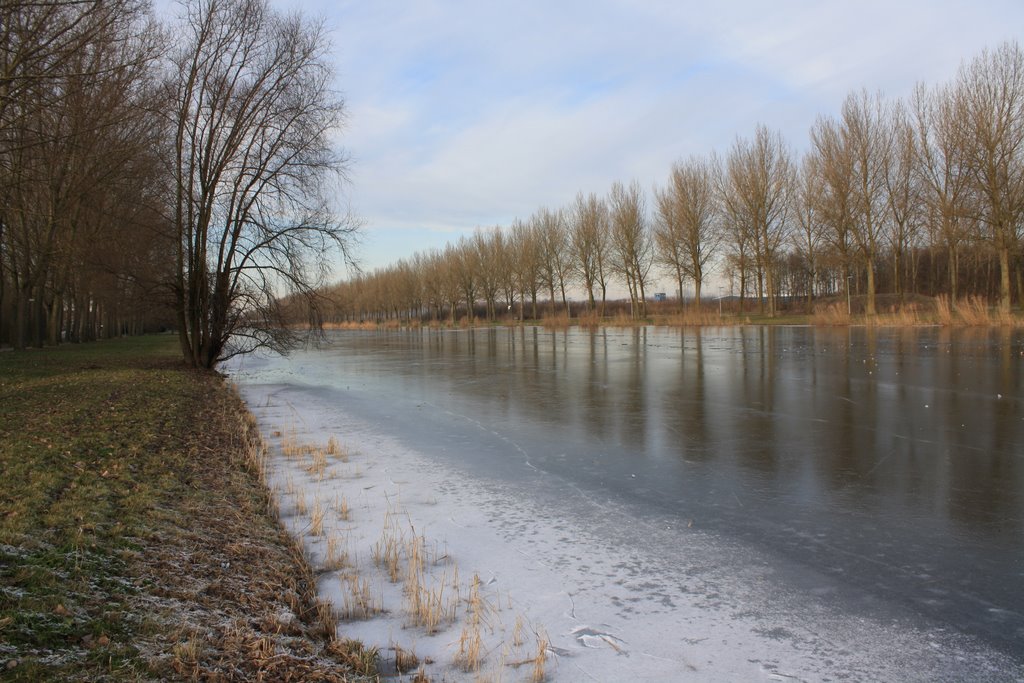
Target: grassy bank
x,y
136,539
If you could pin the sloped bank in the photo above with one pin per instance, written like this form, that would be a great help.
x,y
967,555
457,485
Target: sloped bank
x,y
136,538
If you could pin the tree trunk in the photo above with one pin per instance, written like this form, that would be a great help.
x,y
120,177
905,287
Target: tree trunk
x,y
870,307
1004,280
953,267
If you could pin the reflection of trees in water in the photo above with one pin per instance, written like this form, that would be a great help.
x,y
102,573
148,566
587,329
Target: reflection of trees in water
x,y
685,404
907,419
596,389
986,482
758,387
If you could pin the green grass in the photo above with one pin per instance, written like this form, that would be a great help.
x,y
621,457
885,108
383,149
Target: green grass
x,y
130,517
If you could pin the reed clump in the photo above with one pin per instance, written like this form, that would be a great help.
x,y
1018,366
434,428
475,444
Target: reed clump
x,y
316,519
556,321
358,602
906,315
336,556
831,314
693,317
406,661
539,672
588,319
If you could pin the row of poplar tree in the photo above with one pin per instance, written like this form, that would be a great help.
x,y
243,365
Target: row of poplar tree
x,y
923,196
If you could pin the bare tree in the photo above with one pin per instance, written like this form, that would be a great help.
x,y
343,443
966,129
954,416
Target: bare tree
x,y
549,226
902,193
835,204
254,169
990,98
687,229
868,136
809,235
942,171
488,263
631,243
588,239
758,183
526,259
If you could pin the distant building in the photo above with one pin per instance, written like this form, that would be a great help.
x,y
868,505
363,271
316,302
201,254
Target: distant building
x,y
659,296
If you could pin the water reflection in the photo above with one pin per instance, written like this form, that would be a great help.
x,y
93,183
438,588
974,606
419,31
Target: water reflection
x,y
877,455
924,423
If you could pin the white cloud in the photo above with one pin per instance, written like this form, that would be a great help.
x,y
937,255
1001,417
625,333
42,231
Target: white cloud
x,y
465,113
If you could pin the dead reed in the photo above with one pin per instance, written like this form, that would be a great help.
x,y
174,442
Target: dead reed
x,y
693,317
540,660
831,314
357,600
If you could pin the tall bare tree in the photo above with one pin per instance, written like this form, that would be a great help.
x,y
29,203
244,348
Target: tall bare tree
x,y
990,96
254,171
867,132
836,197
903,195
687,228
555,258
632,249
942,171
488,262
758,183
588,239
810,232
526,259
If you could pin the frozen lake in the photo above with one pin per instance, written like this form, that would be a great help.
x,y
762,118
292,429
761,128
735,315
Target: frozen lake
x,y
722,503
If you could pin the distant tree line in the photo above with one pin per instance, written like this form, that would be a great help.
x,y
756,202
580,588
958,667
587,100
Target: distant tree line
x,y
176,176
924,196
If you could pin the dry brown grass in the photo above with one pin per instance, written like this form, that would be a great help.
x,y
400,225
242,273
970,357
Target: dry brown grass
x,y
318,463
831,314
365,325
336,556
430,606
336,450
358,600
406,661
539,672
588,319
972,311
360,659
517,632
301,505
341,508
556,321
470,654
693,317
316,520
906,315
387,551
622,319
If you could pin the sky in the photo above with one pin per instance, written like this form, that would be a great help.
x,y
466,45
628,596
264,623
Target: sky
x,y
471,113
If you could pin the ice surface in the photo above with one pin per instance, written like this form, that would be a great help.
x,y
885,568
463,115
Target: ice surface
x,y
611,595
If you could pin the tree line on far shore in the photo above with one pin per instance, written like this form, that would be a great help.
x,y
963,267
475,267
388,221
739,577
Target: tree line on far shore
x,y
177,175
923,196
